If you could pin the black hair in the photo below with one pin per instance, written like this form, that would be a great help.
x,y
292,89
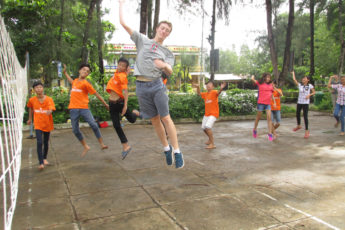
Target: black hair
x,y
210,81
275,81
122,59
308,77
263,78
84,65
36,83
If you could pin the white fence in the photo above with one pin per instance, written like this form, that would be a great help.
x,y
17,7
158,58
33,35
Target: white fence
x,y
13,92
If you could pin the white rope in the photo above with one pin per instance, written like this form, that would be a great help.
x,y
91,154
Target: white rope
x,y
13,92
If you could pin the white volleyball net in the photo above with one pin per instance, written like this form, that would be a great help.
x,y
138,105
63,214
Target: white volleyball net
x,y
13,92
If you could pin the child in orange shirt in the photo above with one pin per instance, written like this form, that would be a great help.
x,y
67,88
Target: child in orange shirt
x,y
79,105
118,99
211,110
41,106
275,108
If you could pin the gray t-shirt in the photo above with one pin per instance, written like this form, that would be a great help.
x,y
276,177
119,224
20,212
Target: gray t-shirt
x,y
147,51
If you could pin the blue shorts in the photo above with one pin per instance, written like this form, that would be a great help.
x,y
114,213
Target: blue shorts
x,y
263,107
275,115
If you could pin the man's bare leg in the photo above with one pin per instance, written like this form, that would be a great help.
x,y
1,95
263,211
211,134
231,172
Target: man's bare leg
x,y
160,131
171,130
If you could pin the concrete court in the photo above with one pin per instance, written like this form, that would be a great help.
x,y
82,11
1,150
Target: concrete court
x,y
245,183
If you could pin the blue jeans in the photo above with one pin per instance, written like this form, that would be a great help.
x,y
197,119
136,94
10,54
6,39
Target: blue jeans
x,y
86,114
42,140
341,109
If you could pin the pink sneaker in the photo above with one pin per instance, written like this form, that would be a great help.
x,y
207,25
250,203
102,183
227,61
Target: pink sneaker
x,y
255,133
270,137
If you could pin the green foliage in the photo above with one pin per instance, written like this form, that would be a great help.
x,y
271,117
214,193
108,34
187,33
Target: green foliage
x,y
326,102
284,109
34,26
237,102
182,105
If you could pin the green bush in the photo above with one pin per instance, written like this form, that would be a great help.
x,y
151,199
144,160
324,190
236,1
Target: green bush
x,y
182,105
326,102
287,109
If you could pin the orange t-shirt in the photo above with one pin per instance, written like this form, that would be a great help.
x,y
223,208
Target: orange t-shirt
x,y
79,94
42,121
211,103
276,96
165,81
117,83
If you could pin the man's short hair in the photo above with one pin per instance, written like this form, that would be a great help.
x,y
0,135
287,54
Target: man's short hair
x,y
84,65
36,83
165,22
122,59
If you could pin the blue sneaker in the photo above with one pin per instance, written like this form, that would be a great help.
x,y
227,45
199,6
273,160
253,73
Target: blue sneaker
x,y
179,162
168,156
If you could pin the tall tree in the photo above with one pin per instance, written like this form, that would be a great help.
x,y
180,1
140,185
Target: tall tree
x,y
287,52
100,34
311,16
143,16
156,17
341,38
212,39
84,50
271,40
149,19
223,7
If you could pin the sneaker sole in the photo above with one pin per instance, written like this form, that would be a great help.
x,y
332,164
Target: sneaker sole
x,y
181,166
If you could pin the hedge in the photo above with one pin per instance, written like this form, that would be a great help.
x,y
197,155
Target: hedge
x,y
182,105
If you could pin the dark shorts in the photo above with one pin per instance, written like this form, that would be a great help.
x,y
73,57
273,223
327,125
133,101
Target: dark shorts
x,y
153,99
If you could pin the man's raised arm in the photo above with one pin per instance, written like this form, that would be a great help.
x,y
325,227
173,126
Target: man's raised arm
x,y
127,28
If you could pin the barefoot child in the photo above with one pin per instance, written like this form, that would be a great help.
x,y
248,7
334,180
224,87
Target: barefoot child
x,y
340,103
118,100
211,110
275,108
264,102
305,91
79,105
41,107
152,60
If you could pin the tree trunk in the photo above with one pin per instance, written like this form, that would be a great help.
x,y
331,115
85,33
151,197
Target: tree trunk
x,y
287,52
156,17
312,63
59,56
341,37
143,16
84,51
273,51
61,29
212,38
149,19
100,42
